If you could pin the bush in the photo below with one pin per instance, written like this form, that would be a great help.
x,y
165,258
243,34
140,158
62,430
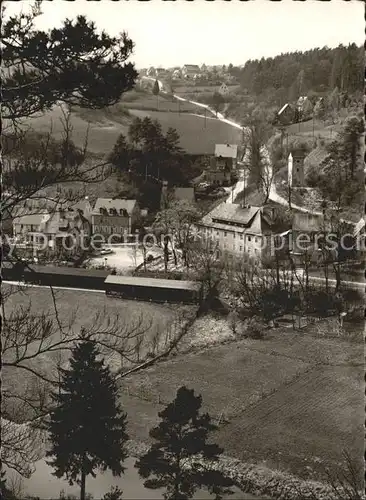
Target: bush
x,y
114,494
255,329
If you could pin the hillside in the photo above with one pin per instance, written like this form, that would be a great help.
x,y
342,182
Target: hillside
x,y
197,134
287,76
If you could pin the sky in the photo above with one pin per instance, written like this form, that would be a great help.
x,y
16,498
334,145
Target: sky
x,y
174,33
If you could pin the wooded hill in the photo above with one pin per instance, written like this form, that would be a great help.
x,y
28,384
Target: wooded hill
x,y
288,76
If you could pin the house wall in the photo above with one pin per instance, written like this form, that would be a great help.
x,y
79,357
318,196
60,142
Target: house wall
x,y
217,176
235,242
110,224
23,229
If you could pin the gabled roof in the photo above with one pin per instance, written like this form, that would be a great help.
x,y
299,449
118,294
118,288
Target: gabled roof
x,y
226,150
82,205
192,67
359,227
284,107
32,219
117,204
226,213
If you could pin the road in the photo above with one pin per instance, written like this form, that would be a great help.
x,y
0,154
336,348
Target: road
x,y
239,187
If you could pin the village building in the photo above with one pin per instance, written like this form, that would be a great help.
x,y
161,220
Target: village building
x,y
239,230
189,70
115,216
304,108
308,237
224,89
151,71
177,73
286,114
295,166
221,166
53,229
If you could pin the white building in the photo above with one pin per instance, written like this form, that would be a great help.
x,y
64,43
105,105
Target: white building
x,y
239,230
224,89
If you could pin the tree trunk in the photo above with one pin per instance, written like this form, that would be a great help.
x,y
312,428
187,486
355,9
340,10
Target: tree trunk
x,y
82,483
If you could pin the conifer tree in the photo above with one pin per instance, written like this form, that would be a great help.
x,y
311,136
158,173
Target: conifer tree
x,y
156,91
181,458
87,426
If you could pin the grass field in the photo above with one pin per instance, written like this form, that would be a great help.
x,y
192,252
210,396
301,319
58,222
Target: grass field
x,y
102,133
78,309
292,400
198,136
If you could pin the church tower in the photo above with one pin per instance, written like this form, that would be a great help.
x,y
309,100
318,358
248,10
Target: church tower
x,y
295,168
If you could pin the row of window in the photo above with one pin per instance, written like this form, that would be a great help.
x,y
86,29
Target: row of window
x,y
241,236
109,229
113,211
241,249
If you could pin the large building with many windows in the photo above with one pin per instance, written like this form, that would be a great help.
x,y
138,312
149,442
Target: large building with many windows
x,y
114,216
239,230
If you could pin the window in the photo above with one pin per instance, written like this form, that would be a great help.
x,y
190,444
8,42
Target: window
x,y
234,235
255,239
256,251
241,248
225,233
249,238
241,236
217,233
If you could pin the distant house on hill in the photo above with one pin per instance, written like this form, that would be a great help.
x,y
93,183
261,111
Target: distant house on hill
x,y
151,71
189,70
114,216
286,114
224,89
304,107
177,73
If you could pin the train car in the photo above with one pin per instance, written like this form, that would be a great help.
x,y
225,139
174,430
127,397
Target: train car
x,y
153,289
71,277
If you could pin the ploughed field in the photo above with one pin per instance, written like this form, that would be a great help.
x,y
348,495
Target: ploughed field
x,y
292,401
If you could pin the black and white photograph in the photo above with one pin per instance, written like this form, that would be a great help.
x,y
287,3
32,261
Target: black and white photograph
x,y
182,250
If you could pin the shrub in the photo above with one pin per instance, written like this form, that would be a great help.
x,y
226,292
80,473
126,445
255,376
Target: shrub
x,y
255,329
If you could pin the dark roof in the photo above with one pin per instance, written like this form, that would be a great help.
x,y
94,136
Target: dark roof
x,y
116,203
72,271
231,212
152,282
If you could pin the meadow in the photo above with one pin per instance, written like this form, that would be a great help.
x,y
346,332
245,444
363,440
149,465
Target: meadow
x,y
102,127
292,400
